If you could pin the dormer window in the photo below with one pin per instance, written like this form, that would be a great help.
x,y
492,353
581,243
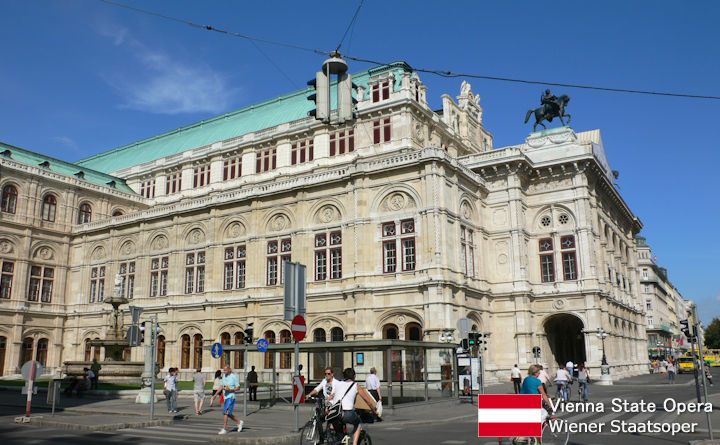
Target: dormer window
x,y
301,152
44,164
80,175
381,91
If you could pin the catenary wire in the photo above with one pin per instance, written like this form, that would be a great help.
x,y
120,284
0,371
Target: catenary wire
x,y
349,25
442,73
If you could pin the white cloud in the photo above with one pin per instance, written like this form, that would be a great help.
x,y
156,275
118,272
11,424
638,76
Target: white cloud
x,y
717,297
67,142
117,33
159,83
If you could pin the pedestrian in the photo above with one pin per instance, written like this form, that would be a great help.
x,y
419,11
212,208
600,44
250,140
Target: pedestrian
x,y
230,384
663,366
570,368
372,384
516,377
199,391
544,378
217,387
170,389
95,368
91,378
655,366
583,381
672,369
708,376
252,383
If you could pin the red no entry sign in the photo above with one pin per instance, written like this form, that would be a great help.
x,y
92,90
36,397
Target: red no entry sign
x,y
298,327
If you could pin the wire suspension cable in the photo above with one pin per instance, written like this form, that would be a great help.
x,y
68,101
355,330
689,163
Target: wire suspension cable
x,y
442,73
349,25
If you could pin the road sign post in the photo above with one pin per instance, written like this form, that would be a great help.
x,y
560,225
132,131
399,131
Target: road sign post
x,y
30,371
298,389
299,330
294,290
217,350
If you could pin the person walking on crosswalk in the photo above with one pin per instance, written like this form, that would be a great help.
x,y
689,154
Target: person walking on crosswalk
x,y
230,384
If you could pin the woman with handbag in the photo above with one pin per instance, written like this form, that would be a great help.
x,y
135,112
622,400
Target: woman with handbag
x,y
343,401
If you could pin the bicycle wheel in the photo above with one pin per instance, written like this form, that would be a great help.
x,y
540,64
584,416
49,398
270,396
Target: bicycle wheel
x,y
550,437
364,438
310,434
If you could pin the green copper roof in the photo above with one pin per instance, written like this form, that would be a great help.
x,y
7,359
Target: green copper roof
x,y
64,168
287,108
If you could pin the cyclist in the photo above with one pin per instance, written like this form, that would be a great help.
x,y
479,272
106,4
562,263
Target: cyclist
x,y
346,392
533,385
562,377
326,385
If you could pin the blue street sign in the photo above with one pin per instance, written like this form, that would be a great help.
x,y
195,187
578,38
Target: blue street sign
x,y
216,350
262,345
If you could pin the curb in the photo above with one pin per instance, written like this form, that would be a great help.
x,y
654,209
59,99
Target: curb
x,y
103,427
285,439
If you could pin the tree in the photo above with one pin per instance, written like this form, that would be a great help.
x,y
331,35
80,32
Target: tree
x,y
712,334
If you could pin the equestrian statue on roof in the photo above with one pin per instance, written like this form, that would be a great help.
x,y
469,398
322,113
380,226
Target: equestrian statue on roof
x,y
552,107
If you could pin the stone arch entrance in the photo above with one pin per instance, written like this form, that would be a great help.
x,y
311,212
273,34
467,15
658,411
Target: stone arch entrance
x,y
566,338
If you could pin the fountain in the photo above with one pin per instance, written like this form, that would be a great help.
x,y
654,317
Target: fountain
x,y
114,369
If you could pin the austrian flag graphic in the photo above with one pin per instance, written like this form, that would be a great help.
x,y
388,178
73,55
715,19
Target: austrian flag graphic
x,y
510,415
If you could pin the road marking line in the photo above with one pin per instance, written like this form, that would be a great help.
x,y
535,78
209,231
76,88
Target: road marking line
x,y
454,441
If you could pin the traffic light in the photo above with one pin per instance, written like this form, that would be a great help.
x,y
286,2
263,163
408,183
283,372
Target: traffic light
x,y
346,101
464,344
472,339
248,334
321,97
686,329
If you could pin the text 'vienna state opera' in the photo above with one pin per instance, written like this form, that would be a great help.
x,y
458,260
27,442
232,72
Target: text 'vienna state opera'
x,y
407,219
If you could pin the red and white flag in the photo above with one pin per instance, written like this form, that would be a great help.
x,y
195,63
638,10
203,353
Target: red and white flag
x,y
510,415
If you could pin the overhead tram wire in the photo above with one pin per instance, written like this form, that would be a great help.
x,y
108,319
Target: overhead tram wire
x,y
442,73
349,25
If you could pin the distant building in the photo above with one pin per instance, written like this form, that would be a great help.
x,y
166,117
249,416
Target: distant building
x,y
408,219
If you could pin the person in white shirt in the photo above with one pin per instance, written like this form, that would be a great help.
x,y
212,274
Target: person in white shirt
x,y
372,384
570,367
326,386
516,377
346,392
561,379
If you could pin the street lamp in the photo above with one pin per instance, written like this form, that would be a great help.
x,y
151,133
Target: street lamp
x,y
602,334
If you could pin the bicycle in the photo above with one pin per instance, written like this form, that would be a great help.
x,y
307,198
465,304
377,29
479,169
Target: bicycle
x,y
312,433
333,438
548,437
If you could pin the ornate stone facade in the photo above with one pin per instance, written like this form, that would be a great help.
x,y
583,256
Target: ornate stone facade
x,y
407,220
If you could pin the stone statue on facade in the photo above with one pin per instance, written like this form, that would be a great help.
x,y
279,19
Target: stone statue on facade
x,y
552,107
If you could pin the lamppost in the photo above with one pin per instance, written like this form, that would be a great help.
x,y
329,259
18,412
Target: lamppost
x,y
605,378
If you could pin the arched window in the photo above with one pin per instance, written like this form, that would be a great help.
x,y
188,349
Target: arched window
x,y
285,357
117,213
319,335
27,350
9,199
413,331
185,351
197,355
85,213
161,351
88,350
239,356
49,208
225,358
336,334
96,351
126,354
269,355
390,332
3,347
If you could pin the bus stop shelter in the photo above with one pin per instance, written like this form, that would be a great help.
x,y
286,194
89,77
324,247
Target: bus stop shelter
x,y
436,377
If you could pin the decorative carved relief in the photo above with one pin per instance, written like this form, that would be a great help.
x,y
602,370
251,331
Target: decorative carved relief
x,y
97,254
159,243
196,236
559,304
279,222
128,248
326,214
7,246
500,217
397,201
466,210
419,132
502,256
234,230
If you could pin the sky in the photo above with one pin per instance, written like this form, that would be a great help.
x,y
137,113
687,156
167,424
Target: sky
x,y
79,77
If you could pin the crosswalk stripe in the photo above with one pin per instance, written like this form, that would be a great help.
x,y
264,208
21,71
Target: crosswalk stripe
x,y
640,418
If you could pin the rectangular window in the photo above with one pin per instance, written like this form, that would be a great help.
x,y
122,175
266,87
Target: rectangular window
x,y
467,251
6,279
569,266
647,288
195,272
320,265
331,251
158,276
342,142
147,189
275,260
648,304
201,176
547,263
265,160
97,284
41,283
232,168
381,90
382,131
173,183
301,152
234,274
408,245
127,274
389,256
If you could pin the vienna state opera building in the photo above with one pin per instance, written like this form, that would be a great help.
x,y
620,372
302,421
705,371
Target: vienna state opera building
x,y
407,219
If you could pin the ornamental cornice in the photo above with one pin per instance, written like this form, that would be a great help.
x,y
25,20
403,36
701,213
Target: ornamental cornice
x,y
275,185
69,180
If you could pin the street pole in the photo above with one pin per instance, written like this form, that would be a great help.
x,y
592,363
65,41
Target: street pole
x,y
296,406
695,368
245,380
153,354
702,364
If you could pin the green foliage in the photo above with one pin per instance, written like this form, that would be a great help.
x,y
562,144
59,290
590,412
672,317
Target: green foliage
x,y
712,334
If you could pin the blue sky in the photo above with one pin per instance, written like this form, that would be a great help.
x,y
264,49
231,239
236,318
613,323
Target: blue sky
x,y
80,76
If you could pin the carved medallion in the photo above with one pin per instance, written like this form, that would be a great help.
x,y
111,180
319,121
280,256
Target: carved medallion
x,y
502,258
279,222
465,210
98,253
6,246
419,132
127,248
235,230
196,236
160,242
560,303
327,214
396,202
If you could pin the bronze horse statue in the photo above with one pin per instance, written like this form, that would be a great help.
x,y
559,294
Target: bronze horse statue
x,y
549,111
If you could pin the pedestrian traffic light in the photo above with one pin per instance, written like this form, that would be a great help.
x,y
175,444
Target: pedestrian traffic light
x,y
248,334
474,338
464,344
